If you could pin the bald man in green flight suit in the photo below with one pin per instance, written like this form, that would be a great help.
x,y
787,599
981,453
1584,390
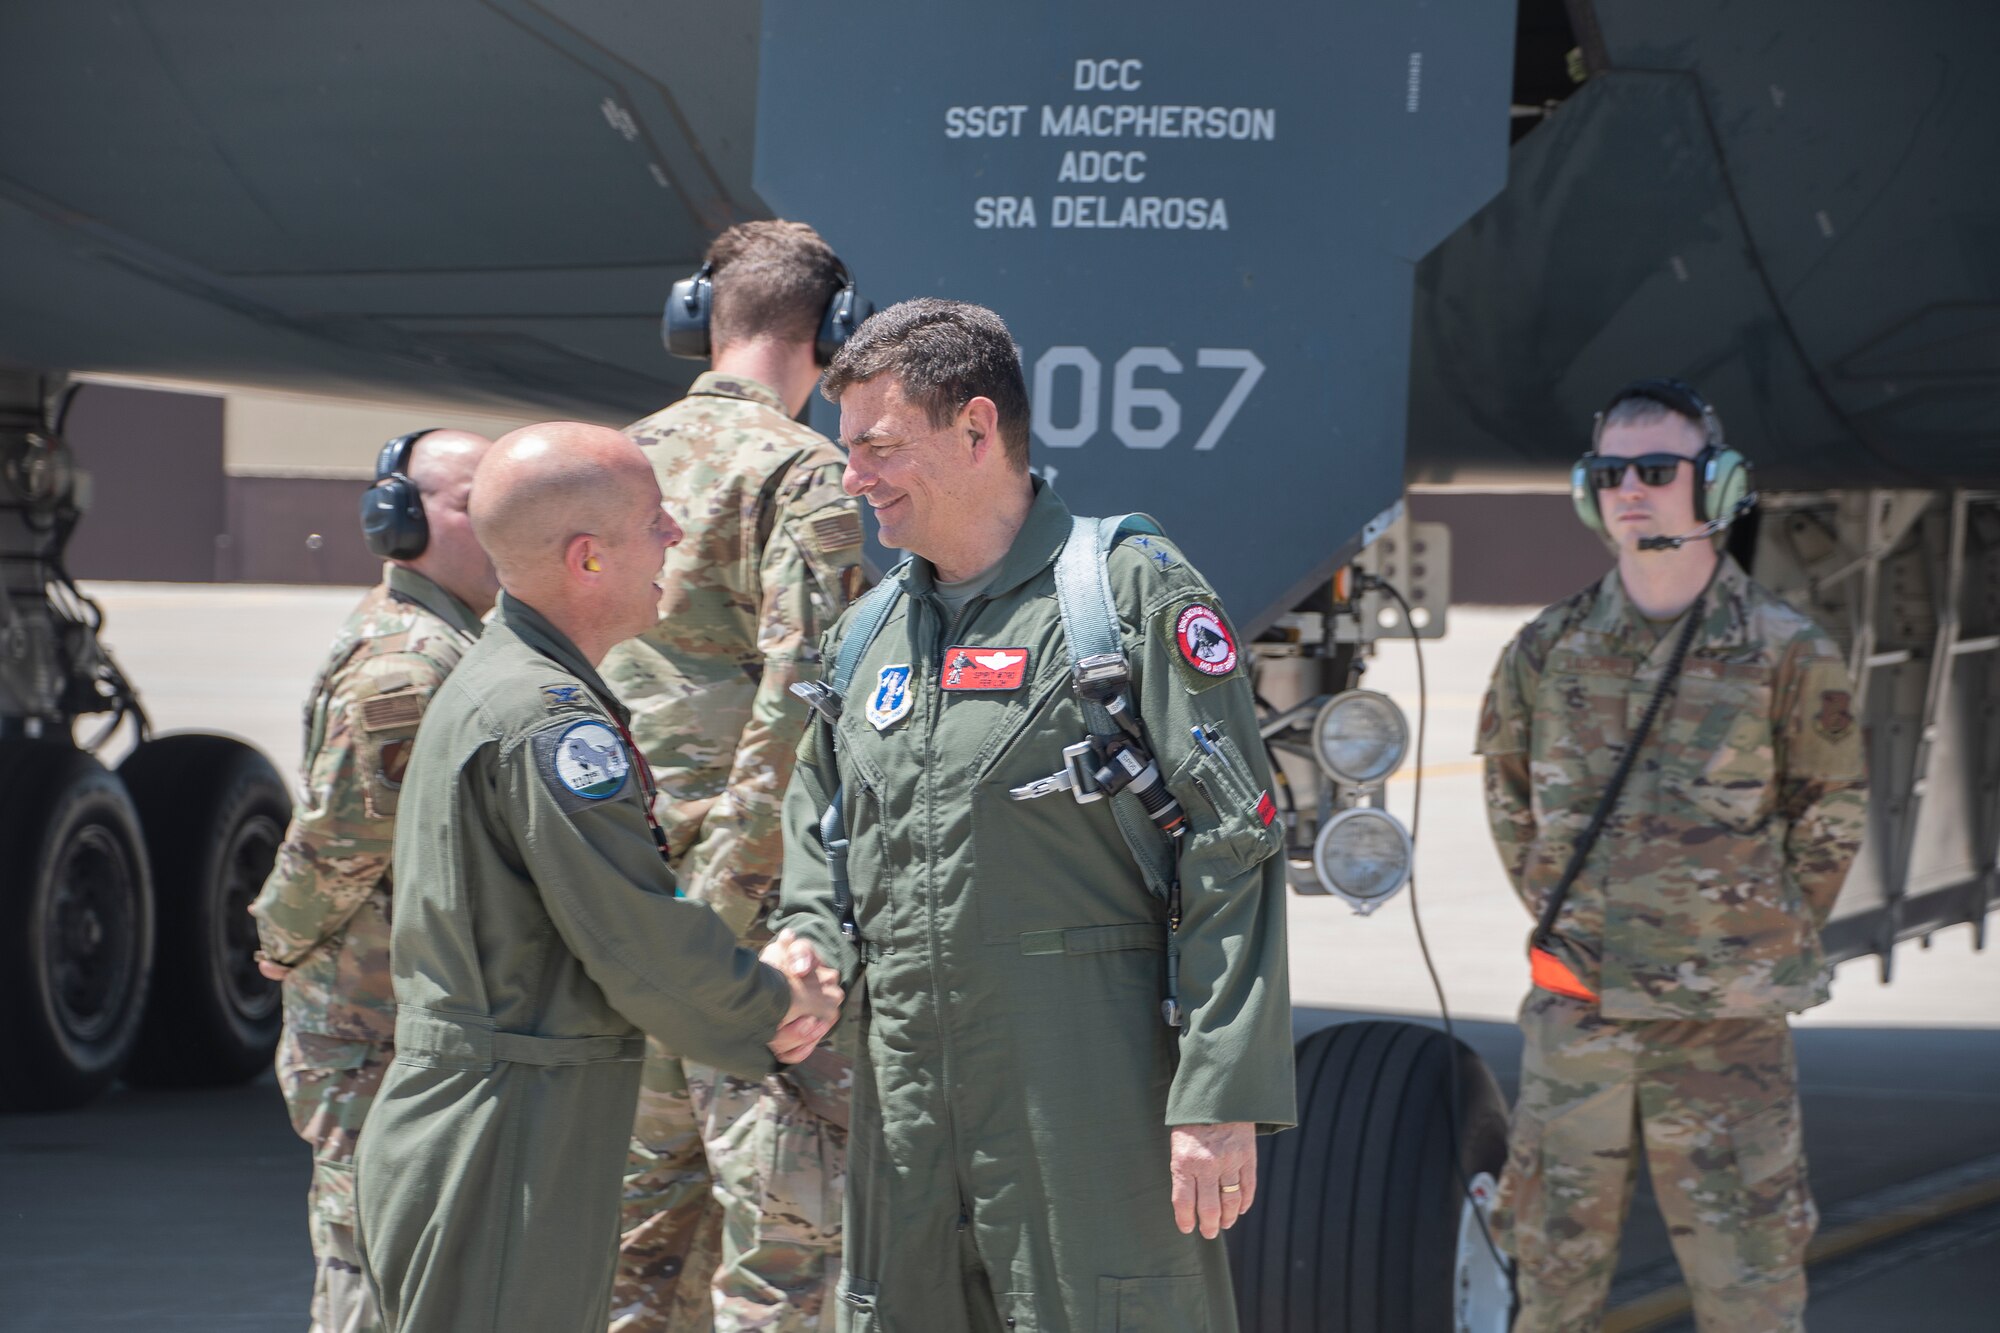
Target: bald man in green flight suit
x,y
537,935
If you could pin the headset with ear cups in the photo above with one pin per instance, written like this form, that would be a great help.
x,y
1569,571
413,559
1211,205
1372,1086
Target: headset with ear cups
x,y
1722,492
691,303
392,510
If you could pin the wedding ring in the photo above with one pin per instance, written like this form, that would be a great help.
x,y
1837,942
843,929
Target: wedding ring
x,y
1232,1189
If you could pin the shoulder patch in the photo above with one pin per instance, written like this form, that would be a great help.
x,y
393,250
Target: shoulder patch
x,y
1206,645
392,712
557,696
587,759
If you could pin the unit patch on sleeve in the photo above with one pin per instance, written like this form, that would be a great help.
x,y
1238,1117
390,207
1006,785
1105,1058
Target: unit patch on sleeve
x,y
590,761
970,668
891,698
1205,642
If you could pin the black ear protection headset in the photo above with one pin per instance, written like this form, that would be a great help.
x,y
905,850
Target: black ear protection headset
x,y
1723,492
692,302
392,510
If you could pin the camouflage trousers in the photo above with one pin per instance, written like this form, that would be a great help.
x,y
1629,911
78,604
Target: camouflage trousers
x,y
733,1192
1714,1105
328,1084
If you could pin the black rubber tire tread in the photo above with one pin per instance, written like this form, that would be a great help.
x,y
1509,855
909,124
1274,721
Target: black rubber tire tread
x,y
42,785
1355,1227
192,792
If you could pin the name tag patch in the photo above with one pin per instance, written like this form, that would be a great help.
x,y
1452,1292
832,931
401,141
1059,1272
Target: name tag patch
x,y
972,668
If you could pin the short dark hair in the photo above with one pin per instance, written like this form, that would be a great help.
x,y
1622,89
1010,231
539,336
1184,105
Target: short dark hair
x,y
944,354
772,279
1643,402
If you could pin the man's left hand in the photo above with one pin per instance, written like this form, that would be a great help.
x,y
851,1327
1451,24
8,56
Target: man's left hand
x,y
1215,1175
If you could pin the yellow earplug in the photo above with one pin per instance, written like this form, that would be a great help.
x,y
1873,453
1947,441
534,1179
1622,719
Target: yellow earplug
x,y
590,563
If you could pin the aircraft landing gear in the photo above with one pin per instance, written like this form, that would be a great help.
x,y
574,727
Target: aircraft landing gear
x,y
76,926
1361,1223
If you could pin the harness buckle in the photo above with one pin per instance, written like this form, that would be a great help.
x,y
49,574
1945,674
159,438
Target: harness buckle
x,y
1077,777
1073,777
1100,675
821,697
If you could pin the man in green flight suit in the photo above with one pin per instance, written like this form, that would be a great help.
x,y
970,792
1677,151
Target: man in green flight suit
x,y
1657,1022
728,1179
537,932
1032,1146
323,916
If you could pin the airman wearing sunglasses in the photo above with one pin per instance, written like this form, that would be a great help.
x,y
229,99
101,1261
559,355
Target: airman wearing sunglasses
x,y
1690,927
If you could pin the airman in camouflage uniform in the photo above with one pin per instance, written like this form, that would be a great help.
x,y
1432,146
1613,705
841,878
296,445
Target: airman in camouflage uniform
x,y
323,915
1695,920
770,557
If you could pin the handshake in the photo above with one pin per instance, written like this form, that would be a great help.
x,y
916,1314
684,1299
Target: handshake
x,y
816,997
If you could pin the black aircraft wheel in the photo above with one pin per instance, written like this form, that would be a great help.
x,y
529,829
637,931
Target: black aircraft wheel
x,y
76,926
1369,1216
214,812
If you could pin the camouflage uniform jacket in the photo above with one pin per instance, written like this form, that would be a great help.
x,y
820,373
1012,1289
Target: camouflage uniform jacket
x,y
324,911
1704,896
771,556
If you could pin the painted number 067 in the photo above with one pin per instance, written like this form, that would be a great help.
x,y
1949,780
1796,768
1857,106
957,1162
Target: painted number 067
x,y
1142,417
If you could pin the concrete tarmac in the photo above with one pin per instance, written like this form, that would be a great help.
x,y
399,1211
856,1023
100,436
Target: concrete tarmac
x,y
184,1211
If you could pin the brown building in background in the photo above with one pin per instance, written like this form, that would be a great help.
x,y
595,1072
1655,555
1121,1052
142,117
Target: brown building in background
x,y
170,505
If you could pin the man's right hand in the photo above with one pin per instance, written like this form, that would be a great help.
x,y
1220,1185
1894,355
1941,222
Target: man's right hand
x,y
816,997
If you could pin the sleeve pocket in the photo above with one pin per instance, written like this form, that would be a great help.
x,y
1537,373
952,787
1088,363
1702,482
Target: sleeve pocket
x,y
1227,814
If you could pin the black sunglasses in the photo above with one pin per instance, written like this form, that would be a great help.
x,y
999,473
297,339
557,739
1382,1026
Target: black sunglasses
x,y
1654,469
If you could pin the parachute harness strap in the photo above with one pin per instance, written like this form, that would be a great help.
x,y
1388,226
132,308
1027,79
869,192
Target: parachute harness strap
x,y
1125,769
870,614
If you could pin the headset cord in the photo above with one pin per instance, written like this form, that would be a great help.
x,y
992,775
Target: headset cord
x,y
1417,917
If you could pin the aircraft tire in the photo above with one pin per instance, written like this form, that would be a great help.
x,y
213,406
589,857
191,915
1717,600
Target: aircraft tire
x,y
1361,1223
214,811
76,926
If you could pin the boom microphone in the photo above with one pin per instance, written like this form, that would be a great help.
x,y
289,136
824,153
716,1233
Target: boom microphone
x,y
1708,529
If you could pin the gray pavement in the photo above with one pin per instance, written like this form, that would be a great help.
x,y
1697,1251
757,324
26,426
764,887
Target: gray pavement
x,y
184,1211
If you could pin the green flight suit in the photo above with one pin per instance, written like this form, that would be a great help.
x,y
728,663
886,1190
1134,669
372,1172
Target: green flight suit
x,y
1014,1081
536,935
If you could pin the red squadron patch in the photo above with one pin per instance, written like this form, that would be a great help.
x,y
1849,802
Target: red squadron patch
x,y
1267,809
970,668
1205,641
1836,714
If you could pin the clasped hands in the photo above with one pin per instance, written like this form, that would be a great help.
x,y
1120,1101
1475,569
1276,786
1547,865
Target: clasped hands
x,y
816,996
